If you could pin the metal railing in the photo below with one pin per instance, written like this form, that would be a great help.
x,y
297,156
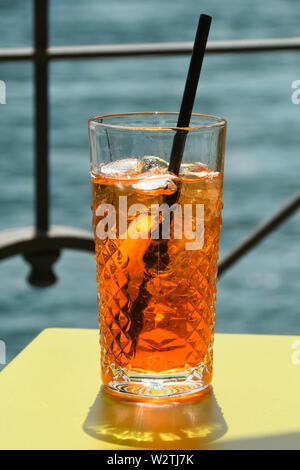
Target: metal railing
x,y
40,245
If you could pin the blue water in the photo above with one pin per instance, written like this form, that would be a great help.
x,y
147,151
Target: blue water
x,y
260,294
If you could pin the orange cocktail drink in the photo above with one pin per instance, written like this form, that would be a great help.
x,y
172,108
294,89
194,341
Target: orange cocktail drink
x,y
156,240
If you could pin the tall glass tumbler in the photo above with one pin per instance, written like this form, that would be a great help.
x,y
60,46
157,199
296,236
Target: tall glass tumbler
x,y
156,240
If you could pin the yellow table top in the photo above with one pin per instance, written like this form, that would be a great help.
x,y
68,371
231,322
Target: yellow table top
x,y
50,398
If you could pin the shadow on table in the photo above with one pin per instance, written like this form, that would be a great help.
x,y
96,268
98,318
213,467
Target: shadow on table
x,y
288,441
189,424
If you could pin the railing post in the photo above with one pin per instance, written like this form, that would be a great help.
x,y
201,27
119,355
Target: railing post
x,y
41,262
41,179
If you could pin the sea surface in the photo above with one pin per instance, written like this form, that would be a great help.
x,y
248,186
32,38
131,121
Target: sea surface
x,y
260,294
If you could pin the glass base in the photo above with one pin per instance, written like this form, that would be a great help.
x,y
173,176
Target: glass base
x,y
160,386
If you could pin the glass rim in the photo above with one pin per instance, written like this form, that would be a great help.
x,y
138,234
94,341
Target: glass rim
x,y
219,121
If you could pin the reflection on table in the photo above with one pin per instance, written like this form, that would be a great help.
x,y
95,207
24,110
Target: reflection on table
x,y
190,424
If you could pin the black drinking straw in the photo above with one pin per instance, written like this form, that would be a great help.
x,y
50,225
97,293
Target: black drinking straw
x,y
157,252
189,94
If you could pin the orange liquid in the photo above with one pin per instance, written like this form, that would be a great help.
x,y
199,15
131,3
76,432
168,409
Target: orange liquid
x,y
170,329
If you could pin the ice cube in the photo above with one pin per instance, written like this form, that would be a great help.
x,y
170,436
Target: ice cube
x,y
151,162
126,166
158,184
191,167
196,170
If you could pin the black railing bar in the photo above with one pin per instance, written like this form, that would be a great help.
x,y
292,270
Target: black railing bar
x,y
259,233
160,48
41,179
173,48
10,54
24,240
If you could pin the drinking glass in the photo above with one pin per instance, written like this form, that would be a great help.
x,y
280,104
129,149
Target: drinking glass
x,y
156,241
